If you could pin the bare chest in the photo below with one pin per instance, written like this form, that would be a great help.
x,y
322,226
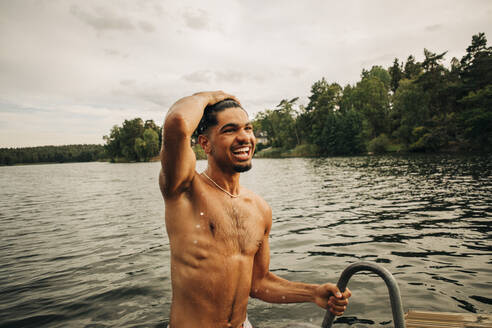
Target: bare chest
x,y
234,224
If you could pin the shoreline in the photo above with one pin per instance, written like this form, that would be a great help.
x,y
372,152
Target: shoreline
x,y
282,155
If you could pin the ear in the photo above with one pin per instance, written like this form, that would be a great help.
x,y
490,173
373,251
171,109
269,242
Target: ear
x,y
205,143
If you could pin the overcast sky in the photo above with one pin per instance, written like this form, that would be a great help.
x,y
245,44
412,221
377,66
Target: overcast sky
x,y
70,70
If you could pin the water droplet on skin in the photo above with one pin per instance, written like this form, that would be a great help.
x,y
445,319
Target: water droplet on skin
x,y
197,226
195,241
201,213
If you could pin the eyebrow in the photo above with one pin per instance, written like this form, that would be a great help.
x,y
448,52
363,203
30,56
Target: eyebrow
x,y
234,125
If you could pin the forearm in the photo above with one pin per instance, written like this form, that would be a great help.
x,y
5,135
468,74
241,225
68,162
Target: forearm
x,y
186,113
274,289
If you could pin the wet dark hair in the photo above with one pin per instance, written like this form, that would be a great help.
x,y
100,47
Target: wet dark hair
x,y
209,117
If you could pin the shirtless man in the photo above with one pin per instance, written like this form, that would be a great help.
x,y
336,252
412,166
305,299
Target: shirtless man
x,y
218,230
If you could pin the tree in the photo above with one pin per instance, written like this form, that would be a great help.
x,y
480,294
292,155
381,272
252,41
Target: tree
x,y
140,150
130,131
412,68
279,125
410,106
151,124
323,102
134,141
113,146
371,99
396,74
324,95
336,126
151,139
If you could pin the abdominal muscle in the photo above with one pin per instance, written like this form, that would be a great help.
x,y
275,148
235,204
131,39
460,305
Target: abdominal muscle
x,y
211,284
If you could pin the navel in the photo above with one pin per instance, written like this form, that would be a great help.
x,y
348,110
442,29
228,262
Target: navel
x,y
211,225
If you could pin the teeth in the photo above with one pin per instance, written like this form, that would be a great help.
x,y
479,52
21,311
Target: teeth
x,y
240,150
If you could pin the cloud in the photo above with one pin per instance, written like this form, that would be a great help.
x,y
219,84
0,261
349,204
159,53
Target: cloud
x,y
234,76
197,19
102,19
230,75
434,27
146,26
116,53
202,76
128,82
153,53
297,71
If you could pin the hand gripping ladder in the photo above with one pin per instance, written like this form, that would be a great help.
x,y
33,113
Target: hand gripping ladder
x,y
394,291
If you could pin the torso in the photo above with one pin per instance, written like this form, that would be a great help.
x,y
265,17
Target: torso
x,y
214,239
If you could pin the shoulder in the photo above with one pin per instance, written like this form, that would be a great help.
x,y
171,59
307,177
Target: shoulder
x,y
262,206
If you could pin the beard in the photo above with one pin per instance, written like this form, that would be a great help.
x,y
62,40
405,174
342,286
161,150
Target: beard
x,y
239,168
242,168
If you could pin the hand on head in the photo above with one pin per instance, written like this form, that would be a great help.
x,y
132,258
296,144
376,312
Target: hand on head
x,y
216,96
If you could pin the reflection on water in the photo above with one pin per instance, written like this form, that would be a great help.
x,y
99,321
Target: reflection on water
x,y
85,244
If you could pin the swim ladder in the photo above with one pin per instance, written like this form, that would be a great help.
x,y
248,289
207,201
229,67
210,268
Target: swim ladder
x,y
394,291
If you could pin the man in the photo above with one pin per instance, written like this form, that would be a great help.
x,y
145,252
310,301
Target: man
x,y
218,230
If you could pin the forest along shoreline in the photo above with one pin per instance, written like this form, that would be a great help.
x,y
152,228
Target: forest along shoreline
x,y
408,107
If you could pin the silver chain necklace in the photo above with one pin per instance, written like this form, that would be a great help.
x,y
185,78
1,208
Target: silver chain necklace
x,y
215,183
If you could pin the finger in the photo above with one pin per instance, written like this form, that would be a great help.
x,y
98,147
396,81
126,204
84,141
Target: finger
x,y
234,98
347,293
332,289
338,313
338,308
339,301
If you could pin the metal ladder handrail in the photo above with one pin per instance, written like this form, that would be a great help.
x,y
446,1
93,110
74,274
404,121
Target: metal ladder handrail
x,y
394,291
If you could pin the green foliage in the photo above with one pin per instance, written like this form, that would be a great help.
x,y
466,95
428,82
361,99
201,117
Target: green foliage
x,y
279,125
130,131
330,121
396,73
269,153
379,145
412,68
52,154
372,100
133,141
410,109
416,106
427,139
260,147
199,152
304,150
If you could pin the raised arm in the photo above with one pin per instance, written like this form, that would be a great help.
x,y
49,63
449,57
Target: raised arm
x,y
270,288
177,158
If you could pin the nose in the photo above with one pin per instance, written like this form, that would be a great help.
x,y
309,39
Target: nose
x,y
244,136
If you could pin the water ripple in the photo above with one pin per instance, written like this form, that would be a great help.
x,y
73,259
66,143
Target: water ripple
x,y
85,245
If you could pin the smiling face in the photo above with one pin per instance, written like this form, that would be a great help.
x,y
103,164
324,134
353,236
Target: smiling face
x,y
230,143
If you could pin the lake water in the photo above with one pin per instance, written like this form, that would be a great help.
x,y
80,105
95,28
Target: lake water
x,y
84,245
